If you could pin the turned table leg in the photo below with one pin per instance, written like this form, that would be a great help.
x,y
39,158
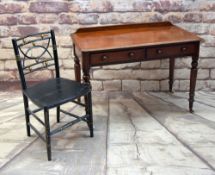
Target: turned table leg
x,y
193,76
171,73
77,68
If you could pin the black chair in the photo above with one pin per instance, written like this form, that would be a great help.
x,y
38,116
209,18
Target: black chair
x,y
49,93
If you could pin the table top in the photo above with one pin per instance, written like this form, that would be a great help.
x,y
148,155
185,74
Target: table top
x,y
130,36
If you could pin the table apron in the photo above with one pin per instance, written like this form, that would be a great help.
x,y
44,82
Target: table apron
x,y
142,54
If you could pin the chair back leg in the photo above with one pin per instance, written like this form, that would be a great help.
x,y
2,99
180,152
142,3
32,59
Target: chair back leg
x,y
27,118
47,132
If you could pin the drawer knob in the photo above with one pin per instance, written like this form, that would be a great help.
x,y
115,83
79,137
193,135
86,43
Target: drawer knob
x,y
104,57
183,49
159,51
131,54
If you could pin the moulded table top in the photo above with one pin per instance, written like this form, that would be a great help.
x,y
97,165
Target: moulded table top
x,y
132,35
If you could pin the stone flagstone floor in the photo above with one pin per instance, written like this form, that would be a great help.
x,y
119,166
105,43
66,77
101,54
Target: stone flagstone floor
x,y
135,134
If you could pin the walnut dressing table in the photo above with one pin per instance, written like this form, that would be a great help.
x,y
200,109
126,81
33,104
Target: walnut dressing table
x,y
98,46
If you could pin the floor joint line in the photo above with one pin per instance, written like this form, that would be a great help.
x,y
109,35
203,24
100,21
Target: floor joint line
x,y
194,101
181,141
211,122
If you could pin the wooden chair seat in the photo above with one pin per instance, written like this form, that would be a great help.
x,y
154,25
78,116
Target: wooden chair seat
x,y
54,92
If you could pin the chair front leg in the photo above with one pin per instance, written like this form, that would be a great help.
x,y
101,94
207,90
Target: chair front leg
x,y
27,115
47,131
58,114
89,111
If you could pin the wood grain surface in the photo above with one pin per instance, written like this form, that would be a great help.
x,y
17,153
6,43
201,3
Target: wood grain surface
x,y
133,35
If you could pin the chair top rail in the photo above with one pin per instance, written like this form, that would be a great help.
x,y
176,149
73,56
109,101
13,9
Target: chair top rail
x,y
32,35
33,41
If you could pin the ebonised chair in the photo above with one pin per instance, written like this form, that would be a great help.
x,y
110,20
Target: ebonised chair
x,y
49,93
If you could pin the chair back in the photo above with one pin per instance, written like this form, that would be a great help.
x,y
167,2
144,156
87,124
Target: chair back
x,y
36,52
